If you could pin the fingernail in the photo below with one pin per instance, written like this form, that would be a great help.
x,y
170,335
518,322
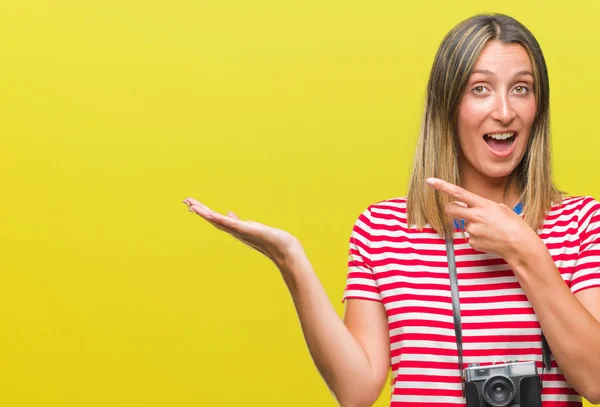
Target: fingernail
x,y
191,210
459,203
430,181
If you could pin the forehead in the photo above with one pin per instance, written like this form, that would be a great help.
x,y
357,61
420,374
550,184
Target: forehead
x,y
499,56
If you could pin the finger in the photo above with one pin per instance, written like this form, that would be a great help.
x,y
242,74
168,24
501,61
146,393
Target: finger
x,y
203,210
197,207
232,215
208,214
191,202
505,207
458,211
456,192
232,225
469,228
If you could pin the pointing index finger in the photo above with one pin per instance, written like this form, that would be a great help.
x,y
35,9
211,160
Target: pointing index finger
x,y
456,192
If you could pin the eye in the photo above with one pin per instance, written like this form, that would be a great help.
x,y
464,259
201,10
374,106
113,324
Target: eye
x,y
521,89
479,90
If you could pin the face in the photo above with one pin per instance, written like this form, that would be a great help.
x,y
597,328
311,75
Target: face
x,y
496,112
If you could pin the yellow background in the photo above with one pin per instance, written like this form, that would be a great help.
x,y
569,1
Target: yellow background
x,y
296,114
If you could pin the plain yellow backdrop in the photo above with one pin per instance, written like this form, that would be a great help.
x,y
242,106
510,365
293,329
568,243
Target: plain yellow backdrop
x,y
296,114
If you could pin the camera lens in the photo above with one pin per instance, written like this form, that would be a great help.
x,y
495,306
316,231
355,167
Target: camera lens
x,y
498,391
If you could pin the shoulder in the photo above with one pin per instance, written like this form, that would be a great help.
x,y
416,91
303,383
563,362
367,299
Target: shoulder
x,y
383,213
579,204
578,208
391,206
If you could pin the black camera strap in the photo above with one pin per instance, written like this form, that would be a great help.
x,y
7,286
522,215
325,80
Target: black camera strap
x,y
456,313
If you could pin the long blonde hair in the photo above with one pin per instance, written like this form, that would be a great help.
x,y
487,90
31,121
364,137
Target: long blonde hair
x,y
437,150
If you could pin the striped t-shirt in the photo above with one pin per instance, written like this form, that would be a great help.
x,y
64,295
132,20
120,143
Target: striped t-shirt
x,y
407,270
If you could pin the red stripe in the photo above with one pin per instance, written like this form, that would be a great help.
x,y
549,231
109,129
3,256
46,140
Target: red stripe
x,y
422,350
494,299
501,325
422,364
390,207
561,233
562,245
444,274
361,287
590,212
441,392
358,274
585,277
446,287
357,297
466,339
430,302
558,390
562,210
498,311
560,223
448,300
418,310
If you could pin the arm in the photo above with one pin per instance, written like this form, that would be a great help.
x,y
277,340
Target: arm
x,y
352,355
569,321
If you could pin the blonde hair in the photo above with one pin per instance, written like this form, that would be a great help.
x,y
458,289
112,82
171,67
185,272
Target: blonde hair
x,y
437,150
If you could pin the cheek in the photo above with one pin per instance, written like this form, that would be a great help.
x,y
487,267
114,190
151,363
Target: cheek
x,y
470,116
526,111
529,112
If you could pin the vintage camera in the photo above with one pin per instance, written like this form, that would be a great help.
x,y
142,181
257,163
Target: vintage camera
x,y
500,385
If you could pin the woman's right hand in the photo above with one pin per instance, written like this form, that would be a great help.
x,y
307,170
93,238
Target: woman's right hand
x,y
278,245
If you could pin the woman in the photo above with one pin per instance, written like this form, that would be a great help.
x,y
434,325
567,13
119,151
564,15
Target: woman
x,y
528,259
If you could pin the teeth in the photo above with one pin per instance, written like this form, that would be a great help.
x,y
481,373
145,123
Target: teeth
x,y
501,136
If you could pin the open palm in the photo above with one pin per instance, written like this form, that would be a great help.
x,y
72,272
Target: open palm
x,y
278,245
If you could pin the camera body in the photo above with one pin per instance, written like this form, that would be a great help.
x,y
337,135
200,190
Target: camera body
x,y
514,384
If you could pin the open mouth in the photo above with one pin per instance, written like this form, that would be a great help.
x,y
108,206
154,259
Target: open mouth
x,y
500,142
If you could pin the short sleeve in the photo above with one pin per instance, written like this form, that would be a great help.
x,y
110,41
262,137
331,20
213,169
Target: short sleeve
x,y
587,268
360,281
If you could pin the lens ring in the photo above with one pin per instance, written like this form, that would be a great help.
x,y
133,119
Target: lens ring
x,y
498,391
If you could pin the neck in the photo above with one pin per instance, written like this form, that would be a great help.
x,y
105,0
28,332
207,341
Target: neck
x,y
493,189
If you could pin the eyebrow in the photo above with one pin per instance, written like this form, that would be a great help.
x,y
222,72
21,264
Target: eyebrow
x,y
488,72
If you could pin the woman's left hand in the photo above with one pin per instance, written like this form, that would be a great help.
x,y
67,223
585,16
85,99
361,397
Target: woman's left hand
x,y
492,227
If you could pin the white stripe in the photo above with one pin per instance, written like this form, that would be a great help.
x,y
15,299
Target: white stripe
x,y
463,294
429,372
427,399
464,307
451,345
588,259
585,284
364,281
361,294
560,397
401,238
429,385
467,359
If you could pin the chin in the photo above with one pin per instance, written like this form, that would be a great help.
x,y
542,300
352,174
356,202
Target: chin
x,y
498,171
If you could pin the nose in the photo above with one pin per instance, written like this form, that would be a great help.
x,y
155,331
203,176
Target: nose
x,y
503,110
